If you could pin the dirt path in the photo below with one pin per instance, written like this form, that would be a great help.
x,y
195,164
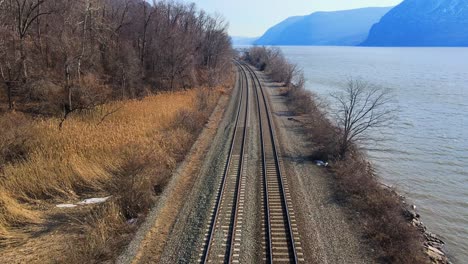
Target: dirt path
x,y
328,234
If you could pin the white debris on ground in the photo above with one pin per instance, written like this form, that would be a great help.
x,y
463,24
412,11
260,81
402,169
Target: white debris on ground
x,y
132,221
66,205
85,202
321,163
94,200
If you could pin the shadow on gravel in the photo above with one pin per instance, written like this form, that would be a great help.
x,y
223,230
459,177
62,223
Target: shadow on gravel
x,y
284,113
298,159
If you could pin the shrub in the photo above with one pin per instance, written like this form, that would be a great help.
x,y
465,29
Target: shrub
x,y
15,131
301,98
381,209
320,129
273,62
202,100
104,233
132,187
42,96
187,120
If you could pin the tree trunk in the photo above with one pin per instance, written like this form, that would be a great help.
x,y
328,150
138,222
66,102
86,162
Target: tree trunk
x,y
9,92
83,39
68,88
23,58
172,82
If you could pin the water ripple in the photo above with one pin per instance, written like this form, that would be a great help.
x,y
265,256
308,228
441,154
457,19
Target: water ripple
x,y
426,151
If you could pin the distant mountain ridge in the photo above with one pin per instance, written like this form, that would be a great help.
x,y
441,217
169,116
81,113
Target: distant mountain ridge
x,y
422,23
238,41
338,28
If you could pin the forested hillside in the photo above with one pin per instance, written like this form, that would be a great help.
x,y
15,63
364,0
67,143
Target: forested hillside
x,y
65,55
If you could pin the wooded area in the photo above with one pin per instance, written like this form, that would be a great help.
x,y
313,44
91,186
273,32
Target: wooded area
x,y
61,56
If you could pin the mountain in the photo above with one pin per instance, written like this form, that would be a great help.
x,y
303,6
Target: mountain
x,y
422,23
339,28
239,41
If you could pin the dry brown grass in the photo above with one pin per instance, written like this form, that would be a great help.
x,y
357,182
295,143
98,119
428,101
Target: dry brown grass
x,y
129,155
105,233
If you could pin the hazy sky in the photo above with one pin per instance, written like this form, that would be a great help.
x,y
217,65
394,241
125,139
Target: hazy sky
x,y
253,17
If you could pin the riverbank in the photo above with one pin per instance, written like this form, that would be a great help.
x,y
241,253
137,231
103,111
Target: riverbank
x,y
434,246
382,213
124,151
423,154
392,226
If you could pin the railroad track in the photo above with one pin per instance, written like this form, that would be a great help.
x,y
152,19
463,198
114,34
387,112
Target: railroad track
x,y
223,235
282,243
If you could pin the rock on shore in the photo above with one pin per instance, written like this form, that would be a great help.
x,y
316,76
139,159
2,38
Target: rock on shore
x,y
433,245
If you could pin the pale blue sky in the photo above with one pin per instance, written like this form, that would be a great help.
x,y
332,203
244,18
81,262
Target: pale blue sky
x,y
253,17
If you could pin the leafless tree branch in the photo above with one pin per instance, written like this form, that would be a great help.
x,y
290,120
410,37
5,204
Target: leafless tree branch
x,y
361,107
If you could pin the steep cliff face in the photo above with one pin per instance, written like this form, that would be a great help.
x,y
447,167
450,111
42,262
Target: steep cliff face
x,y
422,23
345,28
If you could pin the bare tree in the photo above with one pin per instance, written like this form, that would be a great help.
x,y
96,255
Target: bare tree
x,y
273,61
129,46
148,13
361,107
13,67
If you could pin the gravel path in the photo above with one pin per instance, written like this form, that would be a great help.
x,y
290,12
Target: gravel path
x,y
327,232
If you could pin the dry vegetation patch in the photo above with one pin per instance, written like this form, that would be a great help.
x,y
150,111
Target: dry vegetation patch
x,y
130,155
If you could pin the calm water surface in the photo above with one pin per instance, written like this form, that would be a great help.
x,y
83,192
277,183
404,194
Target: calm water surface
x,y
426,152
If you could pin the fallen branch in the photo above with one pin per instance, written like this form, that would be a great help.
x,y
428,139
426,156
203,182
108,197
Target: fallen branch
x,y
108,114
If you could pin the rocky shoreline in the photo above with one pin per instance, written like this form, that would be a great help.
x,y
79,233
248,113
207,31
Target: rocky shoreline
x,y
434,246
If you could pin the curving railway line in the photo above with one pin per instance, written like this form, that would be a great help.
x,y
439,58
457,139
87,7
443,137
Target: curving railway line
x,y
223,235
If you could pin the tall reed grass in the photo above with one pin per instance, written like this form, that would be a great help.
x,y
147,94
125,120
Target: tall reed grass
x,y
125,149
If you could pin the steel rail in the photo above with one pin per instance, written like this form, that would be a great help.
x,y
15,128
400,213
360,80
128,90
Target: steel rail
x,y
241,166
209,242
278,169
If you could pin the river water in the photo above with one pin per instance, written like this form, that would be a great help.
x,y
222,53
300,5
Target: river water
x,y
425,153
